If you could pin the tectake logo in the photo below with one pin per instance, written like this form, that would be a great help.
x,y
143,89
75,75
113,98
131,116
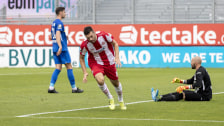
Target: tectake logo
x,y
26,36
128,34
5,35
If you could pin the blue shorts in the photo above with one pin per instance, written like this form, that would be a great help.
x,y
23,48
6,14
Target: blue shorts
x,y
63,58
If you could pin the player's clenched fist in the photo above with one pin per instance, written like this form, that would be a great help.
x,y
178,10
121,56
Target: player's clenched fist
x,y
177,80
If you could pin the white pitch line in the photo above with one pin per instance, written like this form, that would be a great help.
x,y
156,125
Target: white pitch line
x,y
133,119
72,110
80,109
218,93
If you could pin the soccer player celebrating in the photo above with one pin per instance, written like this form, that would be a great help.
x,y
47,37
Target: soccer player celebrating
x,y
60,52
200,82
102,60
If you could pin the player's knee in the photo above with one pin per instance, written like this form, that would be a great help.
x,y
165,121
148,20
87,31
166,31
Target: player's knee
x,y
115,82
100,79
68,66
59,66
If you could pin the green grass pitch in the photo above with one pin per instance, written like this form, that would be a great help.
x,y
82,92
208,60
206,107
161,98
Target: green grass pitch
x,y
24,91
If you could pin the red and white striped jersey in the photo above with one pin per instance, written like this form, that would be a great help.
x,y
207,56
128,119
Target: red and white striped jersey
x,y
101,52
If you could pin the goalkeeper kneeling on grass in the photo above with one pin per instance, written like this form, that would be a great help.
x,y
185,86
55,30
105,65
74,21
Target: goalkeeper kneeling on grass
x,y
200,82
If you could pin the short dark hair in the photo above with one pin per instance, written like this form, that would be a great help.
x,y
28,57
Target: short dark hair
x,y
59,9
87,30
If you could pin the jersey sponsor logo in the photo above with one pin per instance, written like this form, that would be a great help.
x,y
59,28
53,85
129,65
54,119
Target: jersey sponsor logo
x,y
198,73
99,50
5,35
128,35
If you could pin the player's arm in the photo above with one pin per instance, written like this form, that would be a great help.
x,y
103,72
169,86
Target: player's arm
x,y
116,49
181,88
178,80
83,66
83,51
189,81
110,39
199,79
58,40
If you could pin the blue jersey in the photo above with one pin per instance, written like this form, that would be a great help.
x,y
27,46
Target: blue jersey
x,y
57,25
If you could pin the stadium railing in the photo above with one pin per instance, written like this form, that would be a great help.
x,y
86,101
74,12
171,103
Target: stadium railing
x,y
131,12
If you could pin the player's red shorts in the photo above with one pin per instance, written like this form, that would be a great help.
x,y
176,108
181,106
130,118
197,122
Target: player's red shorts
x,y
109,70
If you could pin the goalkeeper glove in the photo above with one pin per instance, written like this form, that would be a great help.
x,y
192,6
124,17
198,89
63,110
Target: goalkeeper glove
x,y
181,88
177,80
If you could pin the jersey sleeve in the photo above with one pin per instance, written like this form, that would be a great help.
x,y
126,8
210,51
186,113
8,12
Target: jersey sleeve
x,y
83,49
199,79
59,27
109,38
190,81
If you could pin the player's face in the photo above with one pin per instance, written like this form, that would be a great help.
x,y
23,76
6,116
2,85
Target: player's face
x,y
63,14
91,37
193,64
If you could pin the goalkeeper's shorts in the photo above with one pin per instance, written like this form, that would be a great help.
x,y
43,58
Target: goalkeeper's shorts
x,y
193,96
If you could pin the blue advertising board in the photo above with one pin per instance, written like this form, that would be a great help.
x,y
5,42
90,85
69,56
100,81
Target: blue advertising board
x,y
172,57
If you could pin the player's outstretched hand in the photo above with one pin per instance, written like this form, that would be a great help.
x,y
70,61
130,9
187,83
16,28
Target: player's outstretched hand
x,y
59,51
85,77
117,62
176,80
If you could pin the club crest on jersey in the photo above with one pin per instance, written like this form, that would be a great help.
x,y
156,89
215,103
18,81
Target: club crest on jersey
x,y
103,43
59,26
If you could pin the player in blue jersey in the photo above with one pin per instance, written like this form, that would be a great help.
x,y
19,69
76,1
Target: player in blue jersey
x,y
60,52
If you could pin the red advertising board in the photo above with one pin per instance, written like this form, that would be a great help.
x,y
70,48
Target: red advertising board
x,y
125,35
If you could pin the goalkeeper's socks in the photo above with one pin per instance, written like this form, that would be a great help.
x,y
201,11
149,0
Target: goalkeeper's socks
x,y
54,78
119,92
106,91
71,78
